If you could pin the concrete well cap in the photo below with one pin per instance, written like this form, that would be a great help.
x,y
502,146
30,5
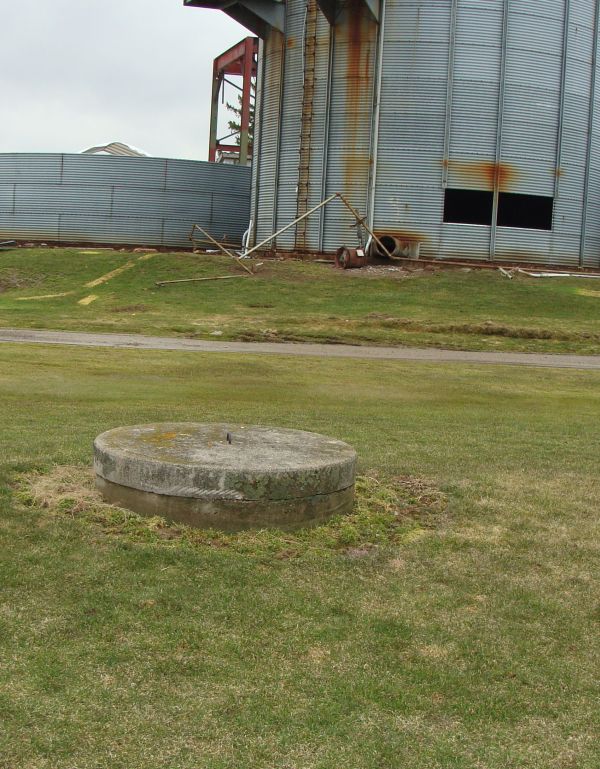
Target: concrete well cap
x,y
189,459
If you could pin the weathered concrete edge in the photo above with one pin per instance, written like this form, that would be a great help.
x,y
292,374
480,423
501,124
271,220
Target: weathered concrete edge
x,y
189,482
411,354
229,515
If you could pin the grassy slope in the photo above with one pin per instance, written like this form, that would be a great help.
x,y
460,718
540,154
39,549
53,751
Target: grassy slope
x,y
465,310
474,644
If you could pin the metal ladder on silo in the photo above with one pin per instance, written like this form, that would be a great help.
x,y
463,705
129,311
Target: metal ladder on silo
x,y
310,49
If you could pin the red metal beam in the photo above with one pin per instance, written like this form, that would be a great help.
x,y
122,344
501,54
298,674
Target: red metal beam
x,y
231,61
240,59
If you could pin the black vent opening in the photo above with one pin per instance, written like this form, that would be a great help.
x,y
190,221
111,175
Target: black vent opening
x,y
528,211
468,207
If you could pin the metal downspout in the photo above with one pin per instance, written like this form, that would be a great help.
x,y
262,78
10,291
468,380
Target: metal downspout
x,y
259,111
449,93
376,119
592,114
500,129
561,107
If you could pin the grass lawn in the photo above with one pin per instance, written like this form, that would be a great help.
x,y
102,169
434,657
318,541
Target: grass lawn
x,y
475,310
469,640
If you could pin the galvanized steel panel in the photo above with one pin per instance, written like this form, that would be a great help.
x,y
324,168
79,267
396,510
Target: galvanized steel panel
x,y
30,226
350,122
289,149
110,169
268,111
536,246
31,168
409,194
464,241
489,95
91,198
7,198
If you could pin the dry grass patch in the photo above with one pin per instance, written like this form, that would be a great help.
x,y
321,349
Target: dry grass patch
x,y
131,308
12,278
387,512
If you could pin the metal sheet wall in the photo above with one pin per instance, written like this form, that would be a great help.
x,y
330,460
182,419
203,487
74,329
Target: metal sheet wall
x,y
291,113
341,125
492,95
414,60
350,121
489,95
266,157
103,199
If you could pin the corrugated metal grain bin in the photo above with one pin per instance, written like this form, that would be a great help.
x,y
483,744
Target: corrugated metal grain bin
x,y
125,200
470,126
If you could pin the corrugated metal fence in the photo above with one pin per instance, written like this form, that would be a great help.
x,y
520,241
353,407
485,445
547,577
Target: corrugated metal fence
x,y
104,199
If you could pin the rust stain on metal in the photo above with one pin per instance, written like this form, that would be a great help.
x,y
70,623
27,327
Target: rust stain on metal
x,y
350,258
404,236
274,51
291,42
488,174
359,32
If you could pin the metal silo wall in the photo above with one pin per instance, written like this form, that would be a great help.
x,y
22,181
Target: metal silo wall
x,y
490,95
289,145
266,154
102,199
340,132
590,237
542,77
348,159
414,60
473,72
254,176
288,206
485,95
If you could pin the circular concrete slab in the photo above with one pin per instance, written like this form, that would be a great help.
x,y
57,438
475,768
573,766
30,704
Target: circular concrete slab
x,y
226,476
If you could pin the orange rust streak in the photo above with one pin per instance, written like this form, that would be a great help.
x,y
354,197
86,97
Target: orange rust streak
x,y
356,28
489,174
405,236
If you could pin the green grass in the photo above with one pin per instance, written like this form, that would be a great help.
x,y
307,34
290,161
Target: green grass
x,y
477,310
473,642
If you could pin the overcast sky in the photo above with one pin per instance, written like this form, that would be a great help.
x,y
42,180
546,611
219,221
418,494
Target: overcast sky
x,y
76,73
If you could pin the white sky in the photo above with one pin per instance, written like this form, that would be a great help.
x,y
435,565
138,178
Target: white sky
x,y
77,73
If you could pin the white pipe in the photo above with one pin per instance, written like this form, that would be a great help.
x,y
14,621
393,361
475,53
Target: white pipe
x,y
245,238
558,274
376,117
